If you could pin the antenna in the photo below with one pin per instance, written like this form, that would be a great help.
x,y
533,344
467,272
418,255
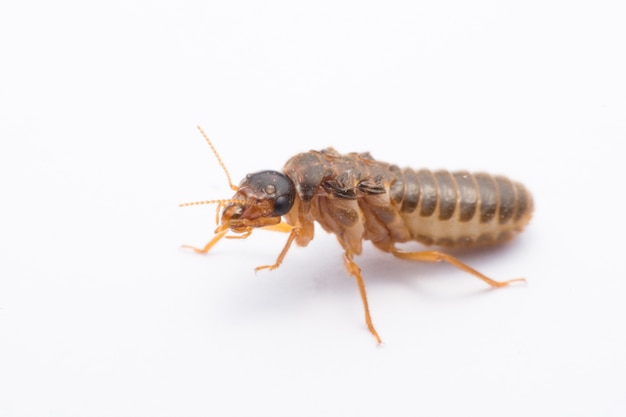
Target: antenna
x,y
219,160
220,202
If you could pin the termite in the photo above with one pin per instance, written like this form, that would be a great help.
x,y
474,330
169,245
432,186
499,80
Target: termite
x,y
358,198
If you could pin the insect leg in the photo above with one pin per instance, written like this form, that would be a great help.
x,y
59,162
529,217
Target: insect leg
x,y
295,231
435,256
209,245
280,227
355,271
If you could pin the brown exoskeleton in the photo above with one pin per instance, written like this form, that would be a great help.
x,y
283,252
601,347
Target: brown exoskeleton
x,y
358,198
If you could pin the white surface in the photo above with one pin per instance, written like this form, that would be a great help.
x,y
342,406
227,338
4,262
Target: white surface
x,y
103,314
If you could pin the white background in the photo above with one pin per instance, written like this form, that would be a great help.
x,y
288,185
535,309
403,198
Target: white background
x,y
103,314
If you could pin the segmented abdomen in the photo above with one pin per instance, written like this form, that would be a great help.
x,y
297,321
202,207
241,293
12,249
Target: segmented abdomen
x,y
459,209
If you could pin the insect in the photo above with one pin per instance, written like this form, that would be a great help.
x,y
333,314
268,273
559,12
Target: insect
x,y
358,198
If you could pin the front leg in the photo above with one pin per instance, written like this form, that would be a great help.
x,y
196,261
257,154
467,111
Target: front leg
x,y
218,236
295,232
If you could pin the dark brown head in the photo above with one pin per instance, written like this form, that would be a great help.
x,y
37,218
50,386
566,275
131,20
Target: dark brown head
x,y
261,199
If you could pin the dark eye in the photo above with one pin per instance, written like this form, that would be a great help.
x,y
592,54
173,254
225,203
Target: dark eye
x,y
282,205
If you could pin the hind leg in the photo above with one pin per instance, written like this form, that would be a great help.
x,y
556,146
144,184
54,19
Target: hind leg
x,y
435,256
